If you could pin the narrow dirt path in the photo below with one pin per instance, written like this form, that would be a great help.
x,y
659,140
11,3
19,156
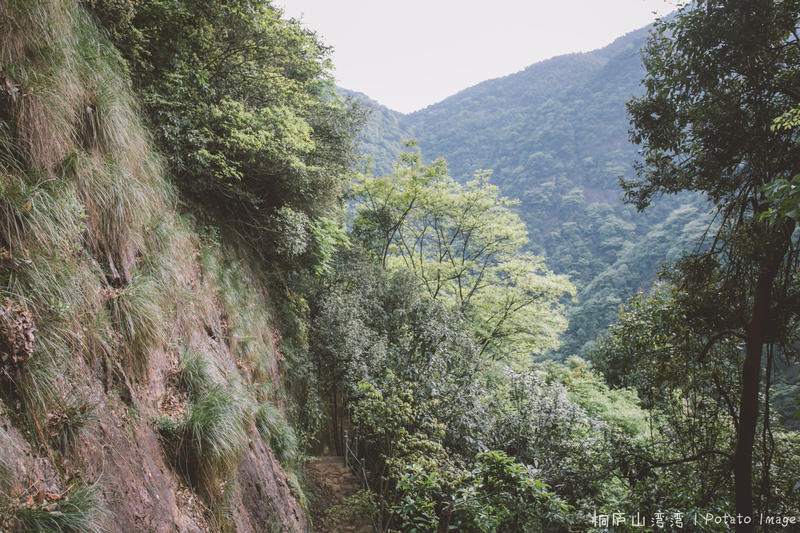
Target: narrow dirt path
x,y
331,484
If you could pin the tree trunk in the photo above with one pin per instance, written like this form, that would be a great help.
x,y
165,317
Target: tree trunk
x,y
751,379
444,512
337,438
748,409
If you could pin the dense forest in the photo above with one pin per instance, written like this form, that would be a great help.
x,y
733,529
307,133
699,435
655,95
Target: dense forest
x,y
564,300
555,136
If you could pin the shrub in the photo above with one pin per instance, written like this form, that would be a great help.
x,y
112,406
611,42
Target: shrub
x,y
242,107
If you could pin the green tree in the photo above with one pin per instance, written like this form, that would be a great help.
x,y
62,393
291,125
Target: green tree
x,y
689,385
784,194
718,74
464,245
364,319
242,106
423,487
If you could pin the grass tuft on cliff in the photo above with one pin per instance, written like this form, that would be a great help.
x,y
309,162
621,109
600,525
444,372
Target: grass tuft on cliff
x,y
102,278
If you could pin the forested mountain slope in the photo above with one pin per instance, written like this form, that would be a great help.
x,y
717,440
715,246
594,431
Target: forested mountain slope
x,y
199,288
555,136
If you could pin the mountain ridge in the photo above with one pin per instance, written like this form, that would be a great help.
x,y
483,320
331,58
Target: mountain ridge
x,y
610,48
555,136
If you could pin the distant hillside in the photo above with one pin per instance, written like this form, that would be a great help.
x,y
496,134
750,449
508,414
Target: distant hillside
x,y
383,134
555,136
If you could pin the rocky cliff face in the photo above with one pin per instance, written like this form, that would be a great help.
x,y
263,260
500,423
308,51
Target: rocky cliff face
x,y
137,355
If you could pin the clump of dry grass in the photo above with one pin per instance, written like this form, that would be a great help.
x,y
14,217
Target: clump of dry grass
x,y
73,418
81,190
206,440
137,311
38,62
80,509
249,321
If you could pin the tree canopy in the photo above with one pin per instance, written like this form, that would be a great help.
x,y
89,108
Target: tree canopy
x,y
242,106
464,244
718,75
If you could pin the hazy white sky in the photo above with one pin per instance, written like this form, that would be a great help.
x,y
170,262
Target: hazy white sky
x,y
408,54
